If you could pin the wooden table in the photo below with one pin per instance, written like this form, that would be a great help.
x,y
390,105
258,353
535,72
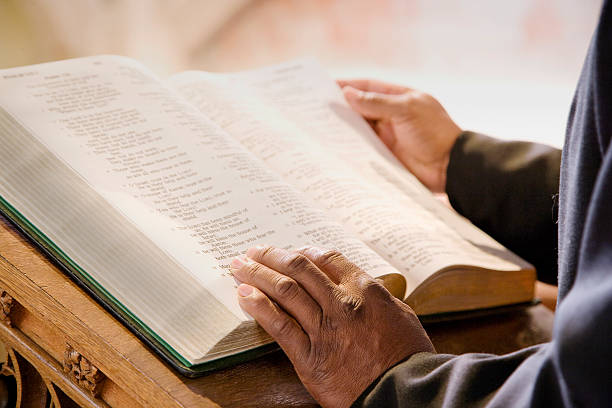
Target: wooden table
x,y
62,348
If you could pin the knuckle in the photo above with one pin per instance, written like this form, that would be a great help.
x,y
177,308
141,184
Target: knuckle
x,y
370,97
266,251
420,94
286,287
253,269
415,97
427,97
259,302
410,98
329,257
350,305
372,287
296,262
282,326
364,287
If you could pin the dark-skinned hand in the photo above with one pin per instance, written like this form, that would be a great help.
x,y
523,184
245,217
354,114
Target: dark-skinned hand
x,y
340,328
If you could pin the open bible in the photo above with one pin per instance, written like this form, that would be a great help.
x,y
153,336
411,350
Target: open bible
x,y
144,190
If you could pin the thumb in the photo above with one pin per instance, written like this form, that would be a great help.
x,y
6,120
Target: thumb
x,y
373,105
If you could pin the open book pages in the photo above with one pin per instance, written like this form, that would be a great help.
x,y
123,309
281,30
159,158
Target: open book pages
x,y
151,187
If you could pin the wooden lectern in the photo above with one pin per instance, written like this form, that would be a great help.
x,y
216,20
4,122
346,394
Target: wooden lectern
x,y
62,349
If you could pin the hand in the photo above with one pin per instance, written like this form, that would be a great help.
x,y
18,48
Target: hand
x,y
340,328
413,125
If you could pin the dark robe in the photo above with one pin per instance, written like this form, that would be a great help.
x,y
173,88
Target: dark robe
x,y
508,189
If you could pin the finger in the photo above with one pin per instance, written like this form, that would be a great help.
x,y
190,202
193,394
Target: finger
x,y
373,85
283,329
385,132
298,267
282,289
332,262
374,105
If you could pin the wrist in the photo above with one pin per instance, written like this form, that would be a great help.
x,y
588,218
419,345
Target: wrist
x,y
441,185
446,160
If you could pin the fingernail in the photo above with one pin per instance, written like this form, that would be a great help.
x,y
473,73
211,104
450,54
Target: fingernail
x,y
238,262
313,250
251,252
308,250
351,92
245,290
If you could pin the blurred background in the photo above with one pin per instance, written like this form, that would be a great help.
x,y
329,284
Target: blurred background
x,y
504,68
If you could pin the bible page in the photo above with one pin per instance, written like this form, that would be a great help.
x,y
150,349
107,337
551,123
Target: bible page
x,y
186,197
295,119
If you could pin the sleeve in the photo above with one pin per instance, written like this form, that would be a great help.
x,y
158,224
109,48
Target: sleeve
x,y
470,380
572,370
531,377
509,190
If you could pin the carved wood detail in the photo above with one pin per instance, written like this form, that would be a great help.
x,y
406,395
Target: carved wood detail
x,y
7,366
34,378
82,372
6,304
